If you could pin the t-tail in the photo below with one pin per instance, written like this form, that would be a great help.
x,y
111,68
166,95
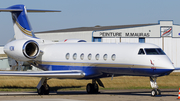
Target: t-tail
x,y
22,27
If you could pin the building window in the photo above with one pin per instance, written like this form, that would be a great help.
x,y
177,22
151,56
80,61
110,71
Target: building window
x,y
105,57
97,39
97,57
141,40
74,56
67,56
89,56
82,56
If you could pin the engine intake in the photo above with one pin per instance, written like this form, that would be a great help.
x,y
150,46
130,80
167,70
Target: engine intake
x,y
22,50
31,49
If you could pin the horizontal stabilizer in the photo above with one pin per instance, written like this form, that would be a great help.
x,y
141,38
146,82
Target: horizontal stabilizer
x,y
66,74
38,10
28,10
9,10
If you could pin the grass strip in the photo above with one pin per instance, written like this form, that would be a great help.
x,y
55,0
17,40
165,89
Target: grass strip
x,y
11,83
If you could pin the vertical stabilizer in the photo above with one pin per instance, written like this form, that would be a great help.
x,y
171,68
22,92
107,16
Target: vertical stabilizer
x,y
22,27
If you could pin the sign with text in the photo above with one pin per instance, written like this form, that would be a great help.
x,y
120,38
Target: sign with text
x,y
143,31
120,34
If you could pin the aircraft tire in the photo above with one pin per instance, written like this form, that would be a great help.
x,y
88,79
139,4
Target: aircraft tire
x,y
153,92
46,92
41,90
158,92
89,88
95,88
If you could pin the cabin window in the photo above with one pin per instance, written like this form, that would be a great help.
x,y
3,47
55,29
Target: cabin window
x,y
97,56
141,52
67,56
154,51
74,56
105,57
113,57
89,56
82,56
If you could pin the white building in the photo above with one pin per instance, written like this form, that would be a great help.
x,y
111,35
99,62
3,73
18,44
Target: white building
x,y
4,65
165,34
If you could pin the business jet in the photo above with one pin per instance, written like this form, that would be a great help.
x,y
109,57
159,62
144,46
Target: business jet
x,y
78,59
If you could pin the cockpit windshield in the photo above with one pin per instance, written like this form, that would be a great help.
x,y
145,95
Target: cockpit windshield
x,y
154,51
141,52
151,51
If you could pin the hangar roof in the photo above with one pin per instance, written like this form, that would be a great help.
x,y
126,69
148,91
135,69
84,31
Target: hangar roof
x,y
95,28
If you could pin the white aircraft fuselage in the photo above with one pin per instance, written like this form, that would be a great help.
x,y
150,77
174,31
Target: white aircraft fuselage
x,y
126,60
98,60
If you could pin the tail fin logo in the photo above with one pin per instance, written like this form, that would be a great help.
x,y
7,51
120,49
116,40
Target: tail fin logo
x,y
27,32
21,24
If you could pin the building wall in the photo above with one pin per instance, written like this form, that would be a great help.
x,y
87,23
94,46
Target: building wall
x,y
172,49
156,41
4,65
85,35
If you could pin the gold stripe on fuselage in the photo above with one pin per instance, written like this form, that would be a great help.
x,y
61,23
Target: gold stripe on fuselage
x,y
95,65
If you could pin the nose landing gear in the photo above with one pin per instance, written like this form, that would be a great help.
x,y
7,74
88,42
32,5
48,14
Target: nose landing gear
x,y
154,85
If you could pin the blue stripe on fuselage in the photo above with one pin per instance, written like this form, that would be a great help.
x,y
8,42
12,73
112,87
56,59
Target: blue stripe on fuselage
x,y
100,72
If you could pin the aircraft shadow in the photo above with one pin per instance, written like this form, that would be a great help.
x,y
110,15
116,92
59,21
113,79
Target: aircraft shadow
x,y
57,91
119,92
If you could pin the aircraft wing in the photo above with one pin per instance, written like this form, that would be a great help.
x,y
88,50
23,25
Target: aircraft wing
x,y
65,74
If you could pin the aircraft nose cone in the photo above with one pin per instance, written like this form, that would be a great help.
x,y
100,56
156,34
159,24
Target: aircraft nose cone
x,y
169,65
165,62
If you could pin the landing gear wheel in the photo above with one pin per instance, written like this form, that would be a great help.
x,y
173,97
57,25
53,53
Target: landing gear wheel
x,y
43,90
47,90
158,92
89,88
95,88
92,88
153,92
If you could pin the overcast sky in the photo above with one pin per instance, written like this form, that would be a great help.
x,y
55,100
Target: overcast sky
x,y
88,13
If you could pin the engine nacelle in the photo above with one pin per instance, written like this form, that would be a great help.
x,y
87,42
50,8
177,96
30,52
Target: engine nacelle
x,y
22,50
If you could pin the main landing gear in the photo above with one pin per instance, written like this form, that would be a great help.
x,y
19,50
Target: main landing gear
x,y
43,88
154,85
92,88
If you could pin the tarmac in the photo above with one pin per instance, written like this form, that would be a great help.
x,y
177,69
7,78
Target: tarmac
x,y
104,95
